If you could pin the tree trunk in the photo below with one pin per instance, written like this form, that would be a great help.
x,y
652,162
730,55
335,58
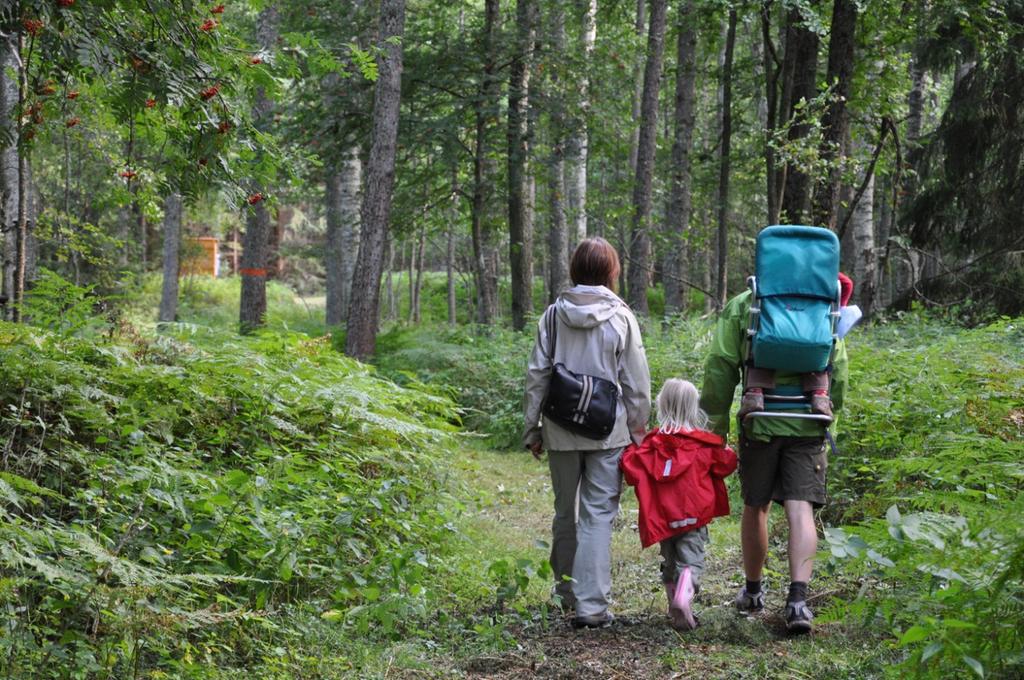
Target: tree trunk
x,y
558,231
803,43
275,263
421,253
520,216
253,303
172,246
9,135
640,240
677,219
836,119
721,291
772,71
380,179
20,220
341,193
483,170
411,276
577,145
863,227
390,282
639,27
450,270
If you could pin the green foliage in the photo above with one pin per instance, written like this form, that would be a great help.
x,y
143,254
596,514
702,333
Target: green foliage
x,y
164,499
931,469
484,369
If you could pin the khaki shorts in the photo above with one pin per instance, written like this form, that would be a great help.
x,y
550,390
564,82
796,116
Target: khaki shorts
x,y
783,469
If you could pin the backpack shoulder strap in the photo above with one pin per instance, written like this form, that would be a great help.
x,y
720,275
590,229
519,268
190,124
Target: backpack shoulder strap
x,y
552,325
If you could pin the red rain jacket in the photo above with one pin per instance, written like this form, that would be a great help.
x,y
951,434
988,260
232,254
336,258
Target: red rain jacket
x,y
679,481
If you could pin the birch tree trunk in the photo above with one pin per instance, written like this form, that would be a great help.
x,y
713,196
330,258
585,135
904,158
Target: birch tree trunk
x,y
253,303
721,291
520,215
577,145
677,220
8,165
376,210
21,232
172,248
341,193
836,119
640,239
864,269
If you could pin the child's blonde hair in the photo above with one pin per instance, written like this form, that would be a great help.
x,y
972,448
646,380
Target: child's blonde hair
x,y
679,407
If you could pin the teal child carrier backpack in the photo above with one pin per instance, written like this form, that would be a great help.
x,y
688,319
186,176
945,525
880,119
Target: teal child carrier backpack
x,y
795,303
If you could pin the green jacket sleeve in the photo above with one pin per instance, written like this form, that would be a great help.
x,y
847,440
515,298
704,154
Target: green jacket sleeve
x,y
722,368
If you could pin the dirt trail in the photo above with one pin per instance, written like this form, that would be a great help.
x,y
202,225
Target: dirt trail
x,y
513,514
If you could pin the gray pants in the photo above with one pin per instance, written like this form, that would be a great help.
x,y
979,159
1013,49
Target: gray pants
x,y
582,549
684,550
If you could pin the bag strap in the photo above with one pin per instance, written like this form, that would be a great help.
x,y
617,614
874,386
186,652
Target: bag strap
x,y
552,324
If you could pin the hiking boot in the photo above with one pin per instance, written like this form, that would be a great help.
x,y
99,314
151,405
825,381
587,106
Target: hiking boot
x,y
749,603
820,403
751,401
798,617
602,620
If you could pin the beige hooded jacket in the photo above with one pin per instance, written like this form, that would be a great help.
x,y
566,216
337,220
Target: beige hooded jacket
x,y
598,335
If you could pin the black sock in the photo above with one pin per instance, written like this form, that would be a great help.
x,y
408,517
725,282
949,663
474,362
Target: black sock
x,y
797,591
753,587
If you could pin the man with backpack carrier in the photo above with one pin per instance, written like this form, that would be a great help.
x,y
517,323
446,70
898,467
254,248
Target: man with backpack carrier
x,y
780,339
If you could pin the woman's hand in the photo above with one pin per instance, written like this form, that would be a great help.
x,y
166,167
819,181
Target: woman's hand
x,y
537,449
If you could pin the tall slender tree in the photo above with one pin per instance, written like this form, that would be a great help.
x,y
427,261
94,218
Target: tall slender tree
x,y
520,214
380,179
799,88
172,248
835,122
253,303
721,290
483,169
558,227
640,239
578,143
341,194
10,65
677,219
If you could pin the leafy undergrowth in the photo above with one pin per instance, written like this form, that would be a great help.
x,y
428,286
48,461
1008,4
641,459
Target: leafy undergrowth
x,y
194,504
484,368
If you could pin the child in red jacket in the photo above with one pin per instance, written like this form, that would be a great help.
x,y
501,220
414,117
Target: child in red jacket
x,y
678,471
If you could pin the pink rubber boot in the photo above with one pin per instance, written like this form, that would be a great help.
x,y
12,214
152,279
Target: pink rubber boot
x,y
681,601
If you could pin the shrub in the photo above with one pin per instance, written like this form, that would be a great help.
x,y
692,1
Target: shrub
x,y
163,499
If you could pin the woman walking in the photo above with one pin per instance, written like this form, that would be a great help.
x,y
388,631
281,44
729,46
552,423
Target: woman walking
x,y
589,339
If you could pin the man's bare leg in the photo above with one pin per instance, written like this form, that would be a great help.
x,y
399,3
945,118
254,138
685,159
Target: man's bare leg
x,y
803,540
754,539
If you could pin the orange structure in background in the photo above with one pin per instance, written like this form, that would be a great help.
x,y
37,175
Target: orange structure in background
x,y
201,256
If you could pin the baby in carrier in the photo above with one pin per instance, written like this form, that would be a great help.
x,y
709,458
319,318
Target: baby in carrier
x,y
678,472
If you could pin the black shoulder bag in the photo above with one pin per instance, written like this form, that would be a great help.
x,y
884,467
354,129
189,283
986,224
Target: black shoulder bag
x,y
583,404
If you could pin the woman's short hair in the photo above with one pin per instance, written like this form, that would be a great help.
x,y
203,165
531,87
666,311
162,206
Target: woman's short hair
x,y
594,263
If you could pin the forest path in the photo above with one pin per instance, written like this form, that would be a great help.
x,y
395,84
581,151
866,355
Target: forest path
x,y
509,518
